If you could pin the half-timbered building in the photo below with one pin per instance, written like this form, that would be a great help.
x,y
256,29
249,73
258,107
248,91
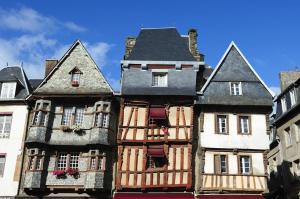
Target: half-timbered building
x,y
156,120
69,143
233,112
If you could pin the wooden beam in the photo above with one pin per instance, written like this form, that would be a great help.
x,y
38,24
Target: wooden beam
x,y
135,122
177,122
120,161
184,123
181,163
174,165
136,153
128,123
144,167
127,165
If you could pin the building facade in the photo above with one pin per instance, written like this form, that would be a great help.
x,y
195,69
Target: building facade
x,y
233,114
156,122
13,120
69,150
284,153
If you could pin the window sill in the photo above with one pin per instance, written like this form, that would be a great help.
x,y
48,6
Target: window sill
x,y
221,133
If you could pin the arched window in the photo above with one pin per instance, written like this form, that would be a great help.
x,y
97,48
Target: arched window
x,y
75,76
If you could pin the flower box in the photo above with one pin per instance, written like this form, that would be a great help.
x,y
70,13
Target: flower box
x,y
75,83
59,173
72,172
65,128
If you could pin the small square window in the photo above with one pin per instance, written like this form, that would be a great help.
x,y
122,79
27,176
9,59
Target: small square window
x,y
159,79
235,88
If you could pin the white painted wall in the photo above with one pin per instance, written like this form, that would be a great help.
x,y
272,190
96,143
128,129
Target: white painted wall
x,y
257,140
12,148
257,162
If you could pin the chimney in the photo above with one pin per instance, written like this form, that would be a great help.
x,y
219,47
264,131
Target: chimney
x,y
287,78
49,65
193,45
130,42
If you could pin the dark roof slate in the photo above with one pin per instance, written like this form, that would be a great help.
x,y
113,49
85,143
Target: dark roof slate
x,y
164,44
34,83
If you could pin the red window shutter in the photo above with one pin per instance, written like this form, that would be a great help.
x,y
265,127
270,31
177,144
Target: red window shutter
x,y
158,113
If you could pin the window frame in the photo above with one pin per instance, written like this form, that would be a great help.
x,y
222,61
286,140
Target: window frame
x,y
12,87
160,75
288,137
102,110
2,131
217,125
33,160
4,164
234,88
283,104
72,115
40,110
99,158
68,158
240,167
240,125
218,164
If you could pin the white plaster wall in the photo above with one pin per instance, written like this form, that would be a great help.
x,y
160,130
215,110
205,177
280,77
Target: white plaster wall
x,y
12,148
257,162
258,139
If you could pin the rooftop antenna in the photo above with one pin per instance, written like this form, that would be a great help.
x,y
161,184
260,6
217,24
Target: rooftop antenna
x,y
6,64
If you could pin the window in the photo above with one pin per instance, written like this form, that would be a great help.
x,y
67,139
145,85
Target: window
x,y
40,114
5,125
67,160
97,161
244,124
160,79
8,90
293,97
222,124
156,157
245,164
36,159
2,164
102,115
235,88
221,165
283,104
75,78
288,137
297,130
73,115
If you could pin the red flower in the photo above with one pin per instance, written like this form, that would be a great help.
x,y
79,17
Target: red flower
x,y
165,130
72,172
59,172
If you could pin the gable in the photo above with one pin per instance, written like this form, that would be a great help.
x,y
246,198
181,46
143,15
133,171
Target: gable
x,y
59,80
234,68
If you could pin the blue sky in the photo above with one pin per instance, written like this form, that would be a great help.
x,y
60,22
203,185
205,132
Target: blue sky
x,y
267,32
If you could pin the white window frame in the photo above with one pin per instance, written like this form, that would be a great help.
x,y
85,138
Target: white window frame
x,y
283,104
223,163
79,115
75,78
220,123
288,137
242,125
292,93
8,90
162,79
62,161
6,118
235,88
243,163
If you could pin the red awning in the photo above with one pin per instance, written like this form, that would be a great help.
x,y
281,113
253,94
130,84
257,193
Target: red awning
x,y
158,113
221,196
153,196
156,151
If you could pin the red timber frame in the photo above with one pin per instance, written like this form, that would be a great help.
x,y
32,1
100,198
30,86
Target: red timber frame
x,y
178,169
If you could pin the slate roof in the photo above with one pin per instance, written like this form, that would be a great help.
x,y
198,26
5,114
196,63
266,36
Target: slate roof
x,y
16,74
234,67
164,44
34,83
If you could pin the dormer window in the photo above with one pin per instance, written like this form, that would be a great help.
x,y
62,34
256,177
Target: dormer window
x,y
75,77
8,90
159,79
235,88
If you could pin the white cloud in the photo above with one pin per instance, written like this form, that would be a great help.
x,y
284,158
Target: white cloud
x,y
98,51
29,20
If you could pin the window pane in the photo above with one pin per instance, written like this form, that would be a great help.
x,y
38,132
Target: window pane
x,y
31,163
223,163
39,162
42,116
62,161
245,164
8,90
5,125
105,120
98,119
79,116
222,124
67,116
74,157
2,164
244,124
159,79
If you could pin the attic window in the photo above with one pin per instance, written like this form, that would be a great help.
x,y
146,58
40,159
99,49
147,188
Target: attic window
x,y
75,76
8,90
235,88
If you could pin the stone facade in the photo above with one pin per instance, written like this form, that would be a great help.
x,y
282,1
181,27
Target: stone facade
x,y
71,133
